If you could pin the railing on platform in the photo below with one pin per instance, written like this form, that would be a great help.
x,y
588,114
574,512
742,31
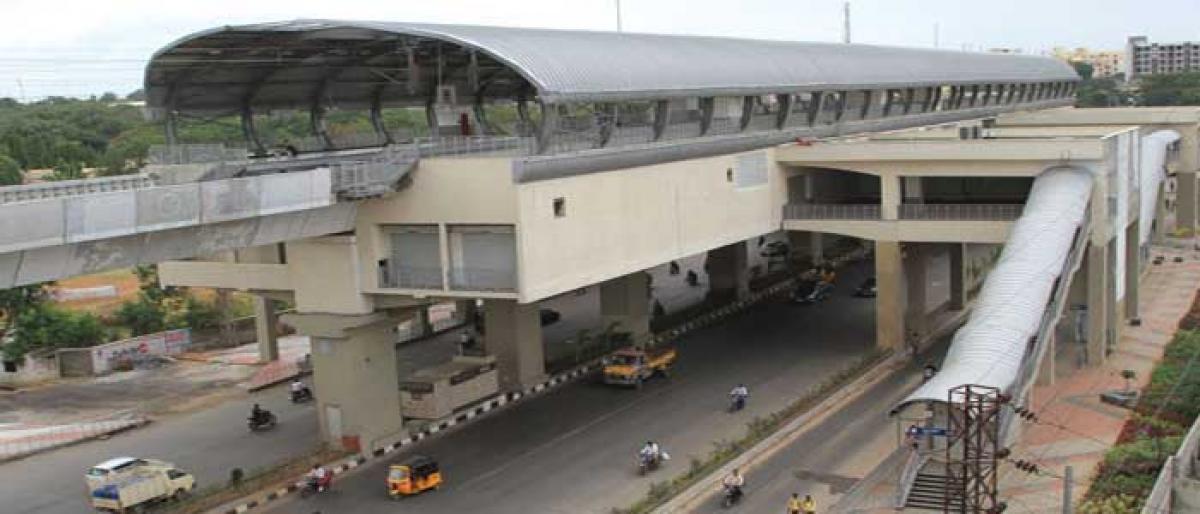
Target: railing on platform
x,y
961,212
819,211
194,153
375,175
66,188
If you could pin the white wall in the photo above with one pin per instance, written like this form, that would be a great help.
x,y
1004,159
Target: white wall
x,y
619,222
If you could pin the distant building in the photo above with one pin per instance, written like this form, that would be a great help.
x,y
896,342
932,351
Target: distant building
x,y
1145,58
1105,63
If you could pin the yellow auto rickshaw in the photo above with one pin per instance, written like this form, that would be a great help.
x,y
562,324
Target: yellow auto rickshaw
x,y
413,476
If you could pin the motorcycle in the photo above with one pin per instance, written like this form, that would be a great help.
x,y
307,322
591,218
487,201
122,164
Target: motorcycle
x,y
265,421
809,292
648,463
737,403
313,486
733,494
302,395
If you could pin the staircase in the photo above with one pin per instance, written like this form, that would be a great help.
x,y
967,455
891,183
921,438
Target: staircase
x,y
929,493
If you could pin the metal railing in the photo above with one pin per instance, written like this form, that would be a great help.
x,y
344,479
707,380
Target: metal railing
x,y
826,211
194,153
500,280
1182,465
410,277
445,146
375,174
65,188
961,212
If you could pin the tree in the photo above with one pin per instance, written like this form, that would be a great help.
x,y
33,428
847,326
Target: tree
x,y
10,171
142,316
1083,69
15,301
47,327
1170,89
65,170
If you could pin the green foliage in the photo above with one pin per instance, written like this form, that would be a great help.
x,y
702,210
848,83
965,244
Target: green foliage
x,y
1120,504
17,300
1100,92
142,316
1085,70
1171,89
1169,375
10,171
65,170
48,327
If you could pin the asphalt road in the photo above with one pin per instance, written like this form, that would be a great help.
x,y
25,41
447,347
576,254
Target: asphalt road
x,y
208,443
836,453
572,450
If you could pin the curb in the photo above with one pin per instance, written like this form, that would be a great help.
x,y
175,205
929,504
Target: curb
x,y
704,320
136,424
702,488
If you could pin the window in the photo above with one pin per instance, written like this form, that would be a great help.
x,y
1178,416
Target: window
x,y
10,366
560,207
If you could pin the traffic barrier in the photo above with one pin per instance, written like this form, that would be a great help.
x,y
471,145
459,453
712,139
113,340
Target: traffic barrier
x,y
38,439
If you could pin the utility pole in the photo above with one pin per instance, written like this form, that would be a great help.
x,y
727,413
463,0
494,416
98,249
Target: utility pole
x,y
1068,479
846,22
618,2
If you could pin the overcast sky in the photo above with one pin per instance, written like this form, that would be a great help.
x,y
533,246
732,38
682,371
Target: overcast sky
x,y
84,47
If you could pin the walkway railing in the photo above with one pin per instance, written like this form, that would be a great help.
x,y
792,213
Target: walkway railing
x,y
194,153
66,188
961,212
375,175
819,211
1181,466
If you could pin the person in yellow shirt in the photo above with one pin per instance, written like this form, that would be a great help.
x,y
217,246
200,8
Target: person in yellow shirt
x,y
794,505
808,506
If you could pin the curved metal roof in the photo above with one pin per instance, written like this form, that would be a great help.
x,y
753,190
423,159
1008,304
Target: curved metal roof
x,y
562,65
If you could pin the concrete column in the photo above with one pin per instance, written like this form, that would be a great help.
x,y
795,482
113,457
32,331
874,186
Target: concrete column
x,y
1097,304
916,266
266,322
958,279
1045,375
889,197
513,334
1160,215
1185,200
889,299
355,378
728,276
1133,267
466,310
420,322
625,302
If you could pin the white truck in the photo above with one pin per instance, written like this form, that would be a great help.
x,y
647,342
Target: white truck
x,y
142,487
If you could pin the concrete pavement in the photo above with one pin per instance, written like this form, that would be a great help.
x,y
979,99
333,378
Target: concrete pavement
x,y
573,450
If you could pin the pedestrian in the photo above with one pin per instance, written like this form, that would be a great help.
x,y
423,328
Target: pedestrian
x,y
809,505
912,436
794,505
674,270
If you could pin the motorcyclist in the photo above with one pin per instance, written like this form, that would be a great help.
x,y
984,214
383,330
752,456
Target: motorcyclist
x,y
650,452
733,483
319,477
738,395
258,414
299,389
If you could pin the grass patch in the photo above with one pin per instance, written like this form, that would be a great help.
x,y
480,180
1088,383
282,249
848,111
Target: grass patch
x,y
1167,406
757,429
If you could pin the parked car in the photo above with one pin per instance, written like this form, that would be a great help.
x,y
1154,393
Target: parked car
x,y
867,289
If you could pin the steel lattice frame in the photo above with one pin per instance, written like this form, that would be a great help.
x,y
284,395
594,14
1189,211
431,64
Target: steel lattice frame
x,y
971,461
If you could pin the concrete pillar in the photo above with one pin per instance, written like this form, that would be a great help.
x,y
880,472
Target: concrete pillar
x,y
889,298
958,278
266,323
1160,215
355,378
728,273
1097,304
916,274
1185,200
1133,267
625,303
513,334
889,197
466,310
1045,375
420,322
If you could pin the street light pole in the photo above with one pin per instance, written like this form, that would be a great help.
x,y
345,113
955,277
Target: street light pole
x,y
618,2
